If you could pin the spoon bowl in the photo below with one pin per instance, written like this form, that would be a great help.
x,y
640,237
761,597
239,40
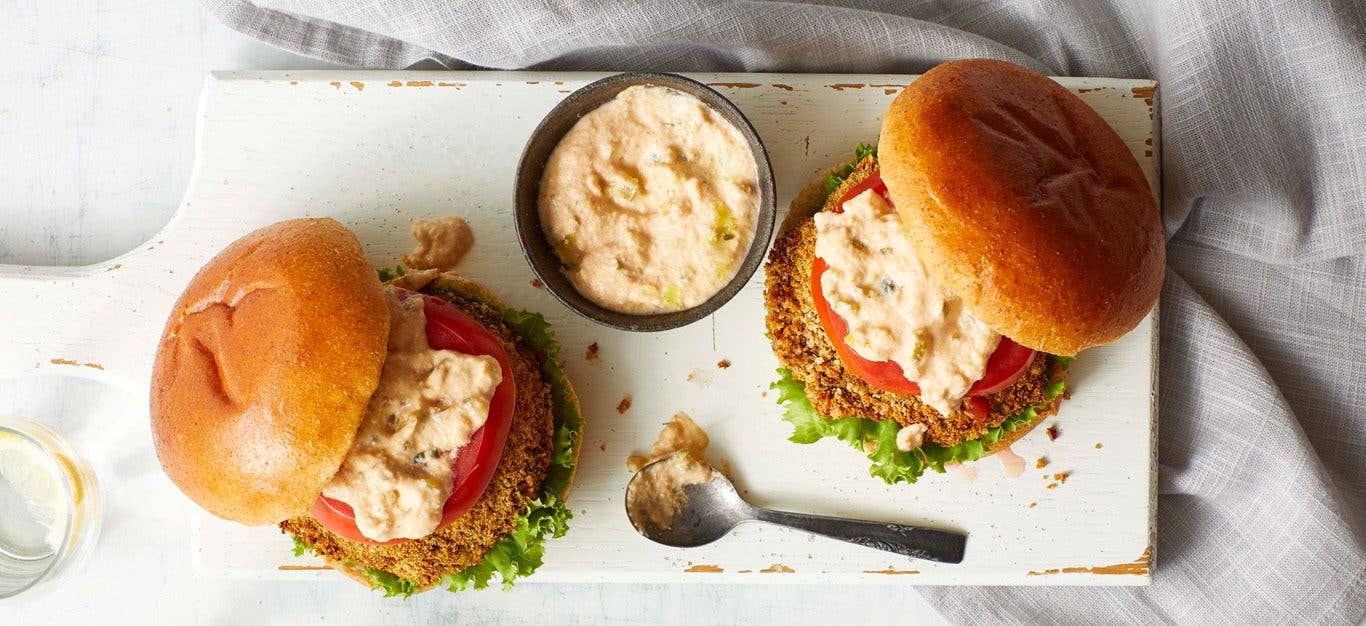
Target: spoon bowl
x,y
713,509
704,511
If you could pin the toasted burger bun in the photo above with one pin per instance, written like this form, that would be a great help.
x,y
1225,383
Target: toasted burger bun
x,y
802,346
265,368
1024,203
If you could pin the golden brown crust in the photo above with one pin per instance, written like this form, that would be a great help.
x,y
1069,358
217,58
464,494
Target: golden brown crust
x,y
999,171
265,368
515,483
801,345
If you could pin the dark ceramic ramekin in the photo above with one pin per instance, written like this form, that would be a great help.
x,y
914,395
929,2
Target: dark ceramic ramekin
x,y
539,252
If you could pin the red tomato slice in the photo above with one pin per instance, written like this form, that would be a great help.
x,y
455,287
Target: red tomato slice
x,y
977,408
874,182
1005,366
885,375
449,328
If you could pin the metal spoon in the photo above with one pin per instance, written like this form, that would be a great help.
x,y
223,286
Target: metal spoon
x,y
712,509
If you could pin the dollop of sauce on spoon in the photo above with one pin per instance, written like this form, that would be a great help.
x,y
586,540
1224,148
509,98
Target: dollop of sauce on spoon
x,y
655,497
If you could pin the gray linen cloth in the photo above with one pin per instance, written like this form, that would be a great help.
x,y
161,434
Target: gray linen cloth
x,y
1263,362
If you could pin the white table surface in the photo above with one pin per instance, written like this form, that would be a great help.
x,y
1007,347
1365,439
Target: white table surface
x,y
97,108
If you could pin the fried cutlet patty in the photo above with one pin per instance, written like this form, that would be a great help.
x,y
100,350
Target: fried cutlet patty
x,y
515,483
801,345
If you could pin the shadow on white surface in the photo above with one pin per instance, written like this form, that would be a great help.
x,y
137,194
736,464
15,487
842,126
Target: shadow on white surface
x,y
98,102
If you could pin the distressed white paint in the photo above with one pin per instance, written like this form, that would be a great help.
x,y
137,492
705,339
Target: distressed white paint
x,y
275,145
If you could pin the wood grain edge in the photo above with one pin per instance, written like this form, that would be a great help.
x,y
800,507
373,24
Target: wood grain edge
x,y
1138,567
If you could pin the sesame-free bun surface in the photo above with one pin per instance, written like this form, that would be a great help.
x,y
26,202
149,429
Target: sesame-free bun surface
x,y
1022,201
265,368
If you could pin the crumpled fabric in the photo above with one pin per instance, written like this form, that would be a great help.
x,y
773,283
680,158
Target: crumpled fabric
x,y
1263,354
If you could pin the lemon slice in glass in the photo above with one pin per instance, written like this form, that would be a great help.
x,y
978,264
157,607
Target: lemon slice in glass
x,y
34,505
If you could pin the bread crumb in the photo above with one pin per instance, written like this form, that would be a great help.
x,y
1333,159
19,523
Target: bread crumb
x,y
723,363
536,282
1033,504
1052,485
592,353
1052,432
1098,445
1041,463
1061,477
624,405
602,445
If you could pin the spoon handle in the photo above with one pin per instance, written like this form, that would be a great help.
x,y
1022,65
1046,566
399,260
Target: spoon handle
x,y
917,542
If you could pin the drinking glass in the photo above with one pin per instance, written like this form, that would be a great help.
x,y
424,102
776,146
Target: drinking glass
x,y
50,506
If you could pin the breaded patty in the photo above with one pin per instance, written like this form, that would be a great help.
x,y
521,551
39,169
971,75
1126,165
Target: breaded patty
x,y
801,345
515,483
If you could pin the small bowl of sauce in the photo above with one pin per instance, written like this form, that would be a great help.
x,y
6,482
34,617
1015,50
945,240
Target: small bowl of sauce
x,y
645,201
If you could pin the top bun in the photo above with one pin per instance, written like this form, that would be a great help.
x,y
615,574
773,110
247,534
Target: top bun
x,y
1024,203
265,368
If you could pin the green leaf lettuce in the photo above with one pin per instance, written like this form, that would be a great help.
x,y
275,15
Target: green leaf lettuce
x,y
391,585
835,178
877,438
301,547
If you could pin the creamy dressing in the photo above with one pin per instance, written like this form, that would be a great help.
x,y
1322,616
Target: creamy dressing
x,y
654,498
895,311
679,433
441,243
969,472
1011,464
429,403
650,201
911,437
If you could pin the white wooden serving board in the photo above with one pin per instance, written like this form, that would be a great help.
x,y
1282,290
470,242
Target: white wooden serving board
x,y
375,149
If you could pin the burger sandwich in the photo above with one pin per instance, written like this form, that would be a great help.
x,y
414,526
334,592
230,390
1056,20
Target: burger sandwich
x,y
926,298
414,433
